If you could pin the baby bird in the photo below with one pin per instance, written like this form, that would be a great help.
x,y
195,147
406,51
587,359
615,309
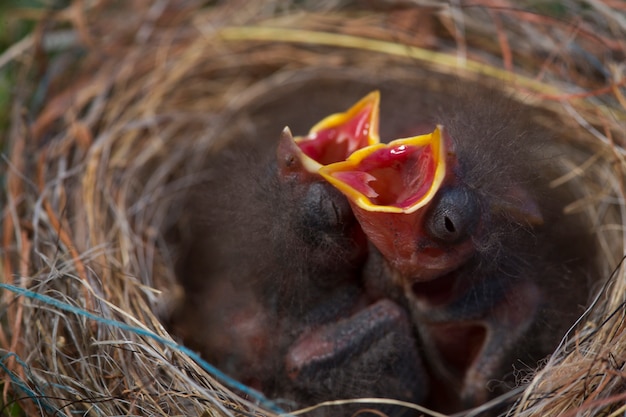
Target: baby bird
x,y
273,294
466,228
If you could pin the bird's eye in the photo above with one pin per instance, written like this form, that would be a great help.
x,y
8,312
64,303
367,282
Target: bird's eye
x,y
324,210
454,215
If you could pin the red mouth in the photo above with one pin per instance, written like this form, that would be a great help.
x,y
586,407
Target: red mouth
x,y
332,139
399,177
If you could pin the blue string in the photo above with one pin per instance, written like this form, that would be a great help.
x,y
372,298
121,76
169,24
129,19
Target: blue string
x,y
222,377
37,397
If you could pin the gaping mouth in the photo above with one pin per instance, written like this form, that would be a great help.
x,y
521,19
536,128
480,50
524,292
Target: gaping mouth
x,y
399,177
389,187
337,136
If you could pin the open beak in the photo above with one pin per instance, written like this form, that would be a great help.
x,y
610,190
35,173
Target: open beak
x,y
332,139
388,186
399,177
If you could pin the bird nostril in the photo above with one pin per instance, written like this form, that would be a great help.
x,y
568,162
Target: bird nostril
x,y
453,216
449,225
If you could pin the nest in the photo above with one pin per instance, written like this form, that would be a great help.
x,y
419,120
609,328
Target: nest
x,y
118,104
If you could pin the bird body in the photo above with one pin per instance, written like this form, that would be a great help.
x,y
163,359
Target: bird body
x,y
480,259
296,289
273,294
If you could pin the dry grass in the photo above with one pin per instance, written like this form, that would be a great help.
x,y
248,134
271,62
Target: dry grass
x,y
142,91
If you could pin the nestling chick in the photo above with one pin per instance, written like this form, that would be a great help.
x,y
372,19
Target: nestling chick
x,y
465,224
272,279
